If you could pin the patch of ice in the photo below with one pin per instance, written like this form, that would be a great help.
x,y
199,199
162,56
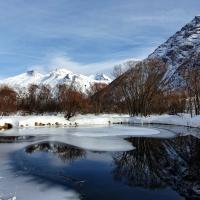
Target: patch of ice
x,y
96,143
117,131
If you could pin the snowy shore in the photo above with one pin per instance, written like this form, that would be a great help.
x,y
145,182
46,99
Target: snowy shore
x,y
103,119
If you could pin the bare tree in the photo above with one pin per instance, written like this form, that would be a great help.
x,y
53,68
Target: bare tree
x,y
191,74
71,100
8,100
140,84
45,99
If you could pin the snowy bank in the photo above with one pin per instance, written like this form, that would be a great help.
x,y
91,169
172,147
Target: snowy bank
x,y
179,120
103,119
34,120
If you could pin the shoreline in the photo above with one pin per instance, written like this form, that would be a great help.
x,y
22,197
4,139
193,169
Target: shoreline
x,y
18,121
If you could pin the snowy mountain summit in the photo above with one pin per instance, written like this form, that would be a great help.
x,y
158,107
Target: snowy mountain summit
x,y
180,48
58,76
101,77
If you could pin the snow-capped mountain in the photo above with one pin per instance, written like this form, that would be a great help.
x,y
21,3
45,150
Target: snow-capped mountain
x,y
58,76
179,49
101,77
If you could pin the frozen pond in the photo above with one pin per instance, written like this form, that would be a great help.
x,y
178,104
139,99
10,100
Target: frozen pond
x,y
113,162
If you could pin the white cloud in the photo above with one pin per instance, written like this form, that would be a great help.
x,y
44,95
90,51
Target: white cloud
x,y
66,62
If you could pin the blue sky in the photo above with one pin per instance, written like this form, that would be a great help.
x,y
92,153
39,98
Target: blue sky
x,y
85,36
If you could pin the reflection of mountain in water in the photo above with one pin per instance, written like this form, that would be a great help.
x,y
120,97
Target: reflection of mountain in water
x,y
67,153
160,162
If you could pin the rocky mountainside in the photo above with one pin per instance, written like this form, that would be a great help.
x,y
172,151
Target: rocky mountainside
x,y
59,76
180,49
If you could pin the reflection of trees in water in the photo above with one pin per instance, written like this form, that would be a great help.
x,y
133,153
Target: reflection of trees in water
x,y
67,153
159,162
136,167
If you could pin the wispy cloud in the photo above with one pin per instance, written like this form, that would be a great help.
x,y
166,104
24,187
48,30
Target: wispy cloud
x,y
100,33
61,61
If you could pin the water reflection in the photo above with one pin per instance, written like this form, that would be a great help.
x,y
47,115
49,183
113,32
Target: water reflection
x,y
157,163
67,153
163,168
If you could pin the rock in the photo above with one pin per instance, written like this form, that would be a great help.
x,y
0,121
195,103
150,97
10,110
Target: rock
x,y
57,124
8,126
41,124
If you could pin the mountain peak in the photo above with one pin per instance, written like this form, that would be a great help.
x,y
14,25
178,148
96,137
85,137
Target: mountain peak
x,y
197,18
58,76
101,77
179,49
33,73
193,24
61,71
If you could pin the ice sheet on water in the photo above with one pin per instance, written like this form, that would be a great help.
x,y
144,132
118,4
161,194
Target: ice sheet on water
x,y
99,138
117,131
96,143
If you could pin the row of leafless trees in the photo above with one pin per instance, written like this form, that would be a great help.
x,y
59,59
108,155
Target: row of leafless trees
x,y
142,90
40,99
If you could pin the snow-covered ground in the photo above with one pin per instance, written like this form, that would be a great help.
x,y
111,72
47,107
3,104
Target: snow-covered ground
x,y
34,120
179,120
103,119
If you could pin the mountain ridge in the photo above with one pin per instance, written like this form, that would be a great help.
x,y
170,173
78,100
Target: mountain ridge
x,y
179,49
22,81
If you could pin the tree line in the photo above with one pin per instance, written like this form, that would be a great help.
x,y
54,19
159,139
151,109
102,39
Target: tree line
x,y
39,99
142,89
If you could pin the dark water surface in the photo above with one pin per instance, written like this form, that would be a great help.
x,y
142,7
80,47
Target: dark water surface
x,y
158,168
